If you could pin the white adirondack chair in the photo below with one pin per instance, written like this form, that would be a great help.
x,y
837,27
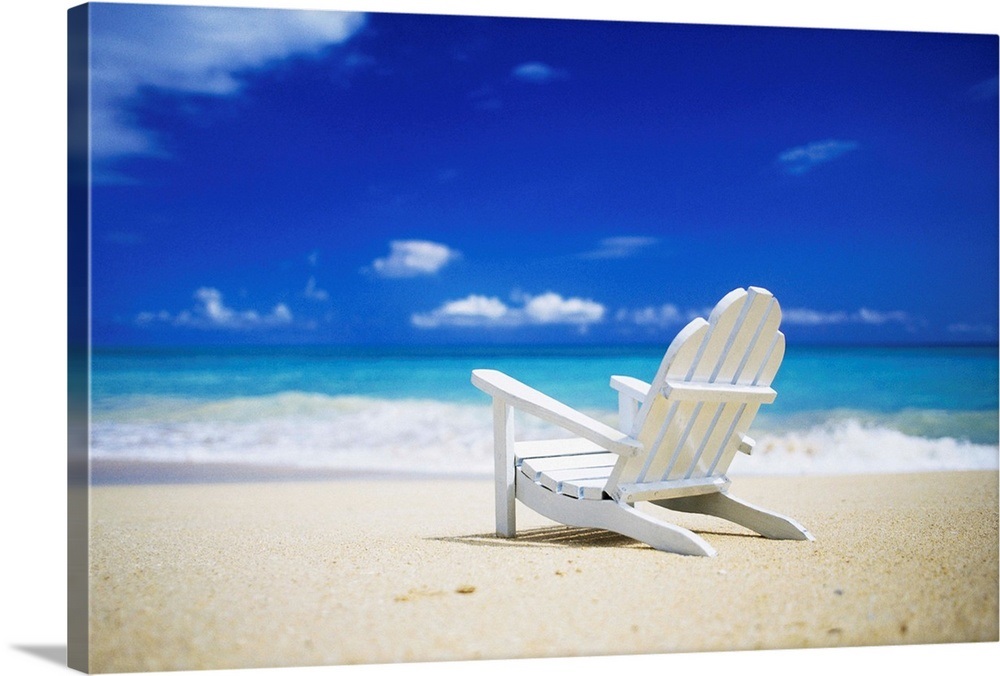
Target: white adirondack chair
x,y
677,439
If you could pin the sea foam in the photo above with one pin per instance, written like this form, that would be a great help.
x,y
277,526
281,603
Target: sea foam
x,y
375,435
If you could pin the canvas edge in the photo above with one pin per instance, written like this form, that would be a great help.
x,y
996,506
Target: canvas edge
x,y
78,337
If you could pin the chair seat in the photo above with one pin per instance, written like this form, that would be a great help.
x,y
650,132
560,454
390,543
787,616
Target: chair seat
x,y
576,468
580,469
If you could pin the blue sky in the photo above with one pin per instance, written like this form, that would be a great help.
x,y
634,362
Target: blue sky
x,y
270,176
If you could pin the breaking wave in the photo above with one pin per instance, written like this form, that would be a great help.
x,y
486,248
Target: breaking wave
x,y
373,435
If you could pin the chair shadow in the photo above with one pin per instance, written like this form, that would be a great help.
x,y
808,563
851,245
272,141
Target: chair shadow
x,y
49,653
571,536
565,536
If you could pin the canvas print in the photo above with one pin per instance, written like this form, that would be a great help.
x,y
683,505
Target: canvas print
x,y
408,338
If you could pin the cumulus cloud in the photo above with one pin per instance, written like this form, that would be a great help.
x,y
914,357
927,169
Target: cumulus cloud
x,y
473,310
549,308
211,312
195,50
413,257
971,329
536,72
807,317
799,160
652,316
313,292
620,247
867,316
668,315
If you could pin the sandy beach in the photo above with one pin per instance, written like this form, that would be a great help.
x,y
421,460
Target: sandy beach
x,y
213,576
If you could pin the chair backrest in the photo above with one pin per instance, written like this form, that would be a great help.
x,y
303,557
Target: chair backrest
x,y
689,439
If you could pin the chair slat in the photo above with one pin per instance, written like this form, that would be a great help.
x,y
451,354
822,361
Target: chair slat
x,y
554,480
581,476
532,467
676,363
753,327
545,448
714,380
727,320
669,438
675,488
726,435
718,436
584,489
707,444
766,372
717,392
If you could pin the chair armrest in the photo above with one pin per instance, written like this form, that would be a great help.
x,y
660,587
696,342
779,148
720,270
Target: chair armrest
x,y
631,393
517,394
718,392
633,387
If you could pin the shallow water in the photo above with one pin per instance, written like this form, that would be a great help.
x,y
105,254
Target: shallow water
x,y
838,410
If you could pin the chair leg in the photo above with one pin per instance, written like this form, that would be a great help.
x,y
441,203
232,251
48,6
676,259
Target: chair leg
x,y
503,467
613,516
661,535
767,523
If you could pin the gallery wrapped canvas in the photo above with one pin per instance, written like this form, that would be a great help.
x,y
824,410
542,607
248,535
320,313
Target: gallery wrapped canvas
x,y
295,234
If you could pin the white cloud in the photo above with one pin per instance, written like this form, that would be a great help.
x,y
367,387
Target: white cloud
x,y
867,316
411,258
196,50
280,314
546,309
667,315
662,316
313,292
620,247
807,317
964,328
211,312
538,73
551,308
801,159
473,310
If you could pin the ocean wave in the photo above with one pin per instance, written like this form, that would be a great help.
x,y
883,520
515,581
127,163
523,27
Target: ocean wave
x,y
308,430
850,446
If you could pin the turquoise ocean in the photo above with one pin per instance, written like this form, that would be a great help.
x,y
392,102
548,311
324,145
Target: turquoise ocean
x,y
386,411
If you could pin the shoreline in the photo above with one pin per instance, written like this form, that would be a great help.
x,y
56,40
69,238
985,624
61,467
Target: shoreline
x,y
227,575
147,472
132,472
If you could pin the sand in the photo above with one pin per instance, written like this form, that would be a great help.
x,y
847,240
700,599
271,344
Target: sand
x,y
213,576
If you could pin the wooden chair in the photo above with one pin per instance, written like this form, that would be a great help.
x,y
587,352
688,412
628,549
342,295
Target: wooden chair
x,y
676,440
